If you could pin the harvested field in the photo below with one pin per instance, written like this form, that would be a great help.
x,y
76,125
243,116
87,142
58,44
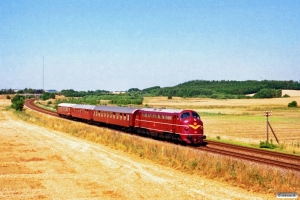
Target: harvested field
x,y
291,93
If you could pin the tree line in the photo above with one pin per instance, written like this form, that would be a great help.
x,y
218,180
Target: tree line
x,y
224,89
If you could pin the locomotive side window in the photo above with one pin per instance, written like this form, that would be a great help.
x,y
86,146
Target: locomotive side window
x,y
185,115
195,115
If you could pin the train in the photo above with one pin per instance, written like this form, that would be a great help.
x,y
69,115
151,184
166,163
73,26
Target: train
x,y
179,126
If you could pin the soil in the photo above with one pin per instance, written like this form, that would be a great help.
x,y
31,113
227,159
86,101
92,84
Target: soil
x,y
39,163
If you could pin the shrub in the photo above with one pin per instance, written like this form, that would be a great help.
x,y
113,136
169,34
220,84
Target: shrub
x,y
267,145
17,102
268,93
292,104
47,95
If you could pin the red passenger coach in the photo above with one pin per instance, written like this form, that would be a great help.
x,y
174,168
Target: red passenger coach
x,y
179,125
114,115
64,109
84,112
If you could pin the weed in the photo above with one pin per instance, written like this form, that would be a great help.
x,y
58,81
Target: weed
x,y
218,167
267,145
194,164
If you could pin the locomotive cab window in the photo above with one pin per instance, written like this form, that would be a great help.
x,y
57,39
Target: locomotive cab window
x,y
195,115
185,115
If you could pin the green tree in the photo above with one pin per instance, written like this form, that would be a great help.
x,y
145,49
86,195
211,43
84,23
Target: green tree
x,y
47,95
17,102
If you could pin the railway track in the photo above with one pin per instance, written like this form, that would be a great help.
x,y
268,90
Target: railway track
x,y
275,159
30,104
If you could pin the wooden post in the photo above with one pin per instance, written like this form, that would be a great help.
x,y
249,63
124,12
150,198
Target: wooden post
x,y
267,114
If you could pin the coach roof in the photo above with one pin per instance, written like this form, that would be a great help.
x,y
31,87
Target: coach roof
x,y
117,109
66,104
81,106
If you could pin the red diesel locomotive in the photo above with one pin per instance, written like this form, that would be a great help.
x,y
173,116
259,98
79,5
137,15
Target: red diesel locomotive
x,y
184,126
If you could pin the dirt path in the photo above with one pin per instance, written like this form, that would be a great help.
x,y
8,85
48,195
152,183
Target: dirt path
x,y
38,163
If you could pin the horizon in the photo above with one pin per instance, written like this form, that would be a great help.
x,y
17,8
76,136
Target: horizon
x,y
142,88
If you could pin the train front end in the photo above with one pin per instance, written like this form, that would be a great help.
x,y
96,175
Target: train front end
x,y
192,131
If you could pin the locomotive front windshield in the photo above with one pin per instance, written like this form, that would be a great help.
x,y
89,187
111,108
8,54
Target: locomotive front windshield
x,y
188,115
185,115
195,115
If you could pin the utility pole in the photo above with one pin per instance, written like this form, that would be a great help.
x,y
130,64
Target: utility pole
x,y
267,114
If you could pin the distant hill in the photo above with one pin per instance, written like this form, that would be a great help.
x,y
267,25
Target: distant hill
x,y
225,89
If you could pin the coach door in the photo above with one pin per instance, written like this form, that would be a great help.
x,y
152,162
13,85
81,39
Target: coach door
x,y
138,119
174,125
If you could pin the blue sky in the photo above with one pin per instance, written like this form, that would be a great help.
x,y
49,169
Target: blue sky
x,y
118,45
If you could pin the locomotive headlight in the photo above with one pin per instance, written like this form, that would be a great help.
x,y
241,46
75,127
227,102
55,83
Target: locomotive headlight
x,y
187,128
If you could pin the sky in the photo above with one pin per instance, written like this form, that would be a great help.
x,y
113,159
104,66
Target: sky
x,y
116,45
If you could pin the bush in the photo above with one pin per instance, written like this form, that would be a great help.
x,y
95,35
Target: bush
x,y
292,104
267,145
47,95
17,102
268,93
